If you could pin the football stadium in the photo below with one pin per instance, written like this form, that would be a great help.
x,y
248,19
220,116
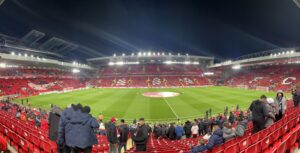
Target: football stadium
x,y
155,76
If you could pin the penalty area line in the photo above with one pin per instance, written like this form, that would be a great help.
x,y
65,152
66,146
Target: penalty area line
x,y
171,107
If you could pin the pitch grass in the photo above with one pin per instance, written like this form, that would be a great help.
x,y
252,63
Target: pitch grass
x,y
130,103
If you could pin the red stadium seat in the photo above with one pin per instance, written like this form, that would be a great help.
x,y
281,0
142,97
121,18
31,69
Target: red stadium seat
x,y
244,144
232,149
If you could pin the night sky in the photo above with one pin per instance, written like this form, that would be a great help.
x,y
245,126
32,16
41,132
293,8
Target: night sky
x,y
224,29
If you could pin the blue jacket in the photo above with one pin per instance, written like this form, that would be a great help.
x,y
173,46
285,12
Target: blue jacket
x,y
179,131
197,149
80,130
63,121
216,139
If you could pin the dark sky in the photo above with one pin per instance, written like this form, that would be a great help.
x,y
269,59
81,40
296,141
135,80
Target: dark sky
x,y
221,28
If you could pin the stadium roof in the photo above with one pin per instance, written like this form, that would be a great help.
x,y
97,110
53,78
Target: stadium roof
x,y
93,28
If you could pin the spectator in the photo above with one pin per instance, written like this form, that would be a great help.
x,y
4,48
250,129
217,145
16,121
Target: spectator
x,y
202,127
179,132
164,131
228,132
216,139
187,129
53,120
200,147
271,110
194,130
63,121
207,135
231,118
259,113
171,132
280,104
112,135
123,132
157,131
296,97
141,136
241,126
84,127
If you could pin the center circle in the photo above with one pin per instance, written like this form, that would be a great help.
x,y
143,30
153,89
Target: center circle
x,y
160,94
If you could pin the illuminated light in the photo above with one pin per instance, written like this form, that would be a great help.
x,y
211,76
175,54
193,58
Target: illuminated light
x,y
43,59
168,62
2,65
12,53
132,54
178,54
158,54
25,55
111,63
75,70
74,63
163,53
271,55
123,54
292,52
19,54
31,56
149,53
208,73
187,62
144,54
120,63
196,63
154,54
170,54
236,67
114,55
187,54
139,54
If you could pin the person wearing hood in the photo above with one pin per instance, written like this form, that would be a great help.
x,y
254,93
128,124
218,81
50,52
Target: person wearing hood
x,y
112,135
228,132
241,126
187,129
123,132
84,126
216,139
63,121
271,110
280,104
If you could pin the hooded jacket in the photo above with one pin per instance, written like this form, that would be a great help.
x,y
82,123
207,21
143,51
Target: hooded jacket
x,y
280,104
179,131
80,130
241,128
123,131
111,133
228,133
187,128
216,139
141,135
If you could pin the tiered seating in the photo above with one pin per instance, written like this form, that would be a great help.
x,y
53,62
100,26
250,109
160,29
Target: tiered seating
x,y
280,137
274,77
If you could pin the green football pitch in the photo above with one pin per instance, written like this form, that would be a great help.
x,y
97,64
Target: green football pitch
x,y
130,103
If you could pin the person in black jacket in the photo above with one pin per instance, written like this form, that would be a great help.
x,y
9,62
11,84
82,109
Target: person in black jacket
x,y
187,129
112,135
53,120
259,113
141,136
123,131
171,132
296,97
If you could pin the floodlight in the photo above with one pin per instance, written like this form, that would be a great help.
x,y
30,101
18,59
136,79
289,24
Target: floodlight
x,y
120,63
25,55
187,62
132,54
208,73
2,65
75,70
111,63
196,63
292,52
123,54
12,53
149,53
19,54
114,55
236,67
